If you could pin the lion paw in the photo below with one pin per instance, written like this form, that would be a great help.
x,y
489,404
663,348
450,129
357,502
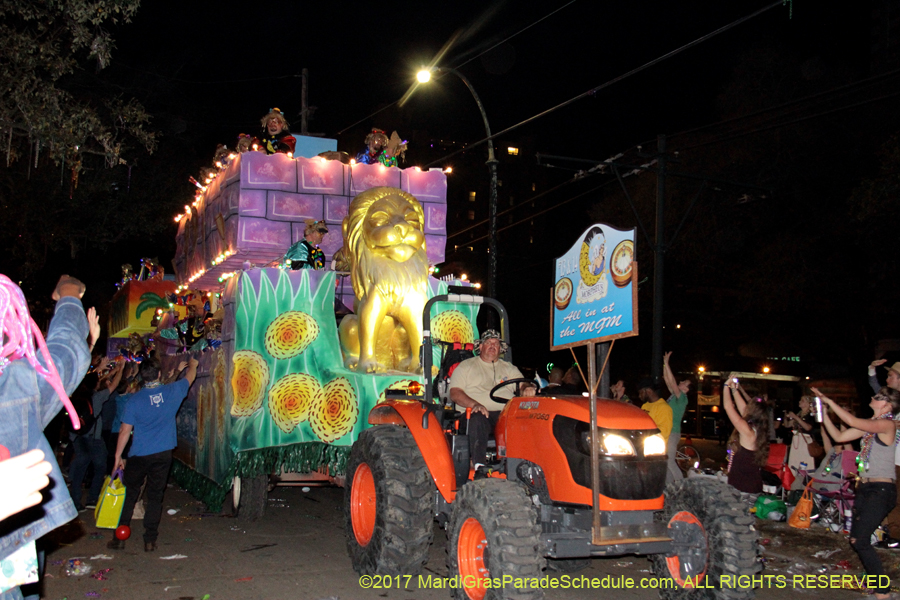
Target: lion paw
x,y
369,365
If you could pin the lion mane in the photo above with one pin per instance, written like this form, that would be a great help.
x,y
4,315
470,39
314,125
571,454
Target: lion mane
x,y
387,275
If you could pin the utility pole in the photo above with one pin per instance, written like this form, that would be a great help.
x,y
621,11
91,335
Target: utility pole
x,y
659,260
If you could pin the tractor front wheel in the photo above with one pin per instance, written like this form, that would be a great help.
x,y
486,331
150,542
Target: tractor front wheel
x,y
494,533
714,539
388,498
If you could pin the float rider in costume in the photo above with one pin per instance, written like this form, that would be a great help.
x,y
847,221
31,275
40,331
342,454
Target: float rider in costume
x,y
276,134
306,253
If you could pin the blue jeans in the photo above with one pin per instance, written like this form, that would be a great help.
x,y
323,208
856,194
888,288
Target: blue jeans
x,y
87,451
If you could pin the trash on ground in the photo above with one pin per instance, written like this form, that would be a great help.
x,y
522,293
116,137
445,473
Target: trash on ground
x,y
75,567
244,579
173,557
304,489
826,553
257,547
101,574
101,557
172,511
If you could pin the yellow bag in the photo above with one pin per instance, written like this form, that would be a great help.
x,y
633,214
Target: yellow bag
x,y
800,518
112,499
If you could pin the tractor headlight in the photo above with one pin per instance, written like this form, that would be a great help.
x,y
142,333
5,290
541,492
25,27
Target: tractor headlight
x,y
617,445
654,445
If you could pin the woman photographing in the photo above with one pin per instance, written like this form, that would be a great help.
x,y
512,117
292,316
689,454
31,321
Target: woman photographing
x,y
751,428
876,493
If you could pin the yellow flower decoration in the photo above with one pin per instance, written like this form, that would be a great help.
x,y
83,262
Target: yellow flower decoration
x,y
219,395
248,382
453,326
336,412
291,398
290,334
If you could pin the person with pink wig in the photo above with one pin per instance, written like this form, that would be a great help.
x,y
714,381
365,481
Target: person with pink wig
x,y
36,377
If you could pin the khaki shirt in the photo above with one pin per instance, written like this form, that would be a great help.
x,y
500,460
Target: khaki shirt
x,y
477,378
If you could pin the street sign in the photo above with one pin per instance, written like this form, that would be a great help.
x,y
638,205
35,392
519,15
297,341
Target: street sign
x,y
594,296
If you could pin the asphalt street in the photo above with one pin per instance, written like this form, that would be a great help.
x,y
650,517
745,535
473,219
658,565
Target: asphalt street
x,y
297,550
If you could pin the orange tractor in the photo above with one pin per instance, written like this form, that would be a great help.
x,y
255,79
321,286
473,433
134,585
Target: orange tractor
x,y
535,509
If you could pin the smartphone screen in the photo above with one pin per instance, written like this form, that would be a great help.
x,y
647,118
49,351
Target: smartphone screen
x,y
818,409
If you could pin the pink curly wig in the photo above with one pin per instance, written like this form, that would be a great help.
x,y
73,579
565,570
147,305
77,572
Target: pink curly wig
x,y
19,334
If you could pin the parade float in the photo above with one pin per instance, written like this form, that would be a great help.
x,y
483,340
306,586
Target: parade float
x,y
281,390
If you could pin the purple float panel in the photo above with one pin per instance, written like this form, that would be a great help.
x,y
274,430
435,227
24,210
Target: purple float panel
x,y
336,209
211,209
274,172
230,199
435,218
435,248
365,177
272,237
214,187
251,203
233,170
284,206
426,186
320,176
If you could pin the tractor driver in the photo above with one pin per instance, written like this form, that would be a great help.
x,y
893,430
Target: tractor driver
x,y
470,387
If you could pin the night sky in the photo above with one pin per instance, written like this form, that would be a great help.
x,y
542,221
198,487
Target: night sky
x,y
207,71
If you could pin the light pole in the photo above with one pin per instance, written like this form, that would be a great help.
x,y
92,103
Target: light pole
x,y
424,76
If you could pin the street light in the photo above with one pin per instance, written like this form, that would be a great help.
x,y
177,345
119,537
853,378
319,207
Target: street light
x,y
424,76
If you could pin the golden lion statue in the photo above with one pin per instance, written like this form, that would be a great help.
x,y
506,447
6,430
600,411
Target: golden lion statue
x,y
384,250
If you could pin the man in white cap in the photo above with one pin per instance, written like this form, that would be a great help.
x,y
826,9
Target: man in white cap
x,y
470,387
893,376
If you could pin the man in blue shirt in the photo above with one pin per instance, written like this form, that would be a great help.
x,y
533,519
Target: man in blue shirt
x,y
150,413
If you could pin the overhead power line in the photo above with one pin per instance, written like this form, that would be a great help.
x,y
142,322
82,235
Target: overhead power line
x,y
613,81
482,53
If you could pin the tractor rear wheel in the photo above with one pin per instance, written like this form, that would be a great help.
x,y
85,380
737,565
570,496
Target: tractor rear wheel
x,y
715,542
493,533
388,499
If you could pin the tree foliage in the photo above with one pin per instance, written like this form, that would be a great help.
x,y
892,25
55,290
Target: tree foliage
x,y
43,44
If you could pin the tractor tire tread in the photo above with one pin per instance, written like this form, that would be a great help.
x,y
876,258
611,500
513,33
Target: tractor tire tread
x,y
404,524
510,523
731,536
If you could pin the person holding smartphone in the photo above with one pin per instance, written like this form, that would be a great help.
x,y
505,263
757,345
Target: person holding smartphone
x,y
876,494
750,442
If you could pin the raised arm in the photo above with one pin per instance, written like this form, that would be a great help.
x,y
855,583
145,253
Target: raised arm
x,y
668,376
854,422
733,415
741,398
873,378
66,343
115,377
839,436
191,373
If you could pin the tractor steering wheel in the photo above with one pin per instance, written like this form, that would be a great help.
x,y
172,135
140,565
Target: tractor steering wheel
x,y
502,384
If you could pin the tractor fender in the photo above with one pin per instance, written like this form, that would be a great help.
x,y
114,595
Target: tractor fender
x,y
432,442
